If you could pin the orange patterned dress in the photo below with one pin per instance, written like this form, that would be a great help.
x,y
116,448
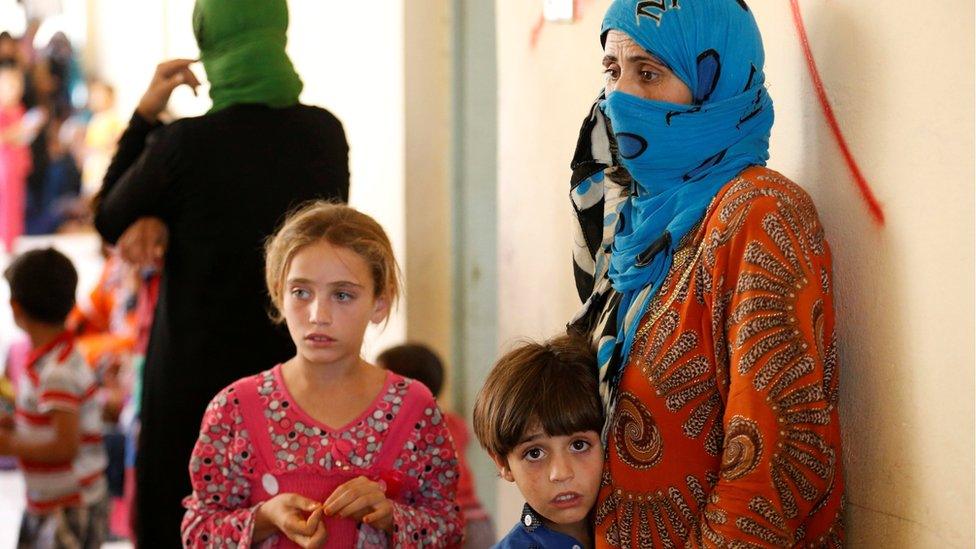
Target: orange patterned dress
x,y
726,432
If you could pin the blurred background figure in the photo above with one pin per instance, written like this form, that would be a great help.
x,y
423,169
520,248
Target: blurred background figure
x,y
9,50
14,154
44,136
420,362
105,126
65,68
55,183
111,330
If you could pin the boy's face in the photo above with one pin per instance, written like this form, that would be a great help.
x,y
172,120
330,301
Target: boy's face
x,y
558,476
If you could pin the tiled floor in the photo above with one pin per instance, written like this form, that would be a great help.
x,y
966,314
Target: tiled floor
x,y
11,507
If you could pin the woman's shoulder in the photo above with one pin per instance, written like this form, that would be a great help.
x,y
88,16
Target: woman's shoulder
x,y
318,113
230,118
758,193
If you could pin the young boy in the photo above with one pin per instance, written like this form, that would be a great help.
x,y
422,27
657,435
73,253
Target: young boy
x,y
57,432
419,362
539,416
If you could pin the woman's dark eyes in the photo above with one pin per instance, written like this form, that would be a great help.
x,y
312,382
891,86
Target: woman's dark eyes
x,y
646,76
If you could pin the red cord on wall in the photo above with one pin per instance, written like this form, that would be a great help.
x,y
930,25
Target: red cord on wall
x,y
862,185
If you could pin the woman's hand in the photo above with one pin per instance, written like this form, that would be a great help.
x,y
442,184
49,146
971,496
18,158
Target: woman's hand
x,y
286,513
144,242
169,75
362,499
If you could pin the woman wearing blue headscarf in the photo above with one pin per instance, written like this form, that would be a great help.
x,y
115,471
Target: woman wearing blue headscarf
x,y
706,283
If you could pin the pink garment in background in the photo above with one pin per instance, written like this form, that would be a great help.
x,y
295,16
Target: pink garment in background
x,y
466,496
14,166
17,356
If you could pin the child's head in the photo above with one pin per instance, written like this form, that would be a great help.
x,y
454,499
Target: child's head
x,y
9,49
539,416
11,85
101,95
415,361
330,272
42,287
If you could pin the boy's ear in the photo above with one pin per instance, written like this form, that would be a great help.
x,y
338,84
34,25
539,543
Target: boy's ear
x,y
18,312
504,470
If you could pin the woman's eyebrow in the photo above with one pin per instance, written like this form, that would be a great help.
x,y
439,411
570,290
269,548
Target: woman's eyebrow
x,y
633,58
643,57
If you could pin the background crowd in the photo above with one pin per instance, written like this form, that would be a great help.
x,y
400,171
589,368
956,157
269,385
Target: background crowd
x,y
58,130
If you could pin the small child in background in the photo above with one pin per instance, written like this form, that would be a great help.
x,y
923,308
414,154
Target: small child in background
x,y
325,449
57,430
101,136
419,362
539,416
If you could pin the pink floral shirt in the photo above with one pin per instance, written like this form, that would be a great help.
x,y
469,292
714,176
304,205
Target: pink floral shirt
x,y
224,461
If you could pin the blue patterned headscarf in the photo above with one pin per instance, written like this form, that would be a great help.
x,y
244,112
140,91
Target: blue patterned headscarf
x,y
679,156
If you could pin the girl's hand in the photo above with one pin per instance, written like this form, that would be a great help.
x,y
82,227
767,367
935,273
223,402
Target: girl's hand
x,y
362,499
286,513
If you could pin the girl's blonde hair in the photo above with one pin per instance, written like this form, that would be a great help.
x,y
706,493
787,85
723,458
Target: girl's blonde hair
x,y
338,225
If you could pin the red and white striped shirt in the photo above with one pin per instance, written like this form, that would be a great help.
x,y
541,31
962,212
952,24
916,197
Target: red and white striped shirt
x,y
58,378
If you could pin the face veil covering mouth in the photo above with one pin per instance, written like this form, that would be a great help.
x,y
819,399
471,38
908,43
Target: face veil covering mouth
x,y
242,46
678,156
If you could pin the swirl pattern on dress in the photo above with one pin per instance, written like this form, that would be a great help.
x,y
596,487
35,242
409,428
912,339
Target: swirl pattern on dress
x,y
635,434
743,448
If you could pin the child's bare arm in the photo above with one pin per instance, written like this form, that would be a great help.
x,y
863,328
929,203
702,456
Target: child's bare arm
x,y
59,446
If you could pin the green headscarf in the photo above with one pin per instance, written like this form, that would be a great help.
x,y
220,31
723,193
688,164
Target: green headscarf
x,y
242,46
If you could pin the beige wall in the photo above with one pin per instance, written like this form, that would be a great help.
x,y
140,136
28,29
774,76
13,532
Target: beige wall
x,y
901,79
428,152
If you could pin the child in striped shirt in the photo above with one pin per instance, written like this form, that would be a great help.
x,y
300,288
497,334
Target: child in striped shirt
x,y
56,432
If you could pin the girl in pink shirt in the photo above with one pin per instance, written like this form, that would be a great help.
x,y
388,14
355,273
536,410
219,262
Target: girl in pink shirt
x,y
325,449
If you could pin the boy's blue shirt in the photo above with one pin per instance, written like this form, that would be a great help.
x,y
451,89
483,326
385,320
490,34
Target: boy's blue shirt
x,y
531,533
